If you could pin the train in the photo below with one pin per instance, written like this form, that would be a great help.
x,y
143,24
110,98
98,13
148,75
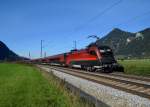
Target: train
x,y
93,58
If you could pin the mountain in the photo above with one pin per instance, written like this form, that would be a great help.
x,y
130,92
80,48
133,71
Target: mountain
x,y
7,54
128,44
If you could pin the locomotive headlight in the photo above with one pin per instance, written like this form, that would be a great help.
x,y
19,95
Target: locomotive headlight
x,y
108,50
102,50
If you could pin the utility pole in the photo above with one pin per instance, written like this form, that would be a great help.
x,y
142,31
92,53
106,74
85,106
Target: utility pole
x,y
45,54
29,55
75,44
41,48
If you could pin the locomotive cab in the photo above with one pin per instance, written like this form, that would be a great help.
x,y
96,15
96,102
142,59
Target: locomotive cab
x,y
107,60
106,54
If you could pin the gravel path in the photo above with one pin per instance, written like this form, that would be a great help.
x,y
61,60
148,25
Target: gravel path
x,y
108,95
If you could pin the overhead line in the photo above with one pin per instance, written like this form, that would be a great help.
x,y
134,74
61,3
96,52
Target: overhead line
x,y
134,18
130,20
100,14
105,10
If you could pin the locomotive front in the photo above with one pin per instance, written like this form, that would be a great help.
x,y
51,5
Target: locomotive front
x,y
107,60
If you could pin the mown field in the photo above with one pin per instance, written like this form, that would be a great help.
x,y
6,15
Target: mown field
x,y
26,86
137,67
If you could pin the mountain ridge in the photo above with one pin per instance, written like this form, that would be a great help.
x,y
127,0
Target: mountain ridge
x,y
128,44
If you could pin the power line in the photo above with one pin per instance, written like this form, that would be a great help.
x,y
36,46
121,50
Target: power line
x,y
100,14
131,19
105,10
134,18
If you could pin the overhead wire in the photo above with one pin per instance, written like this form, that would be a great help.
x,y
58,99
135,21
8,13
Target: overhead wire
x,y
130,20
135,18
98,15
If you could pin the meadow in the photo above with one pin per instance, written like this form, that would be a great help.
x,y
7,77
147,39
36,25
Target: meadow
x,y
137,66
26,86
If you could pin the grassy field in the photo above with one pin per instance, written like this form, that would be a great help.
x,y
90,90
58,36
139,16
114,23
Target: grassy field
x,y
26,86
137,67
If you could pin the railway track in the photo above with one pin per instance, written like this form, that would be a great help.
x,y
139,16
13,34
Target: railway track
x,y
131,76
135,85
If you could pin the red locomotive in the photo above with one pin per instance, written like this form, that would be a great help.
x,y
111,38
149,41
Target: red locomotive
x,y
92,58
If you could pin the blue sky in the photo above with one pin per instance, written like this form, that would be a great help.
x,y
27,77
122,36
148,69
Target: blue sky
x,y
23,23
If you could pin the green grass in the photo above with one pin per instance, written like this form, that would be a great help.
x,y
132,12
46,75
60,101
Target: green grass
x,y
26,86
137,67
